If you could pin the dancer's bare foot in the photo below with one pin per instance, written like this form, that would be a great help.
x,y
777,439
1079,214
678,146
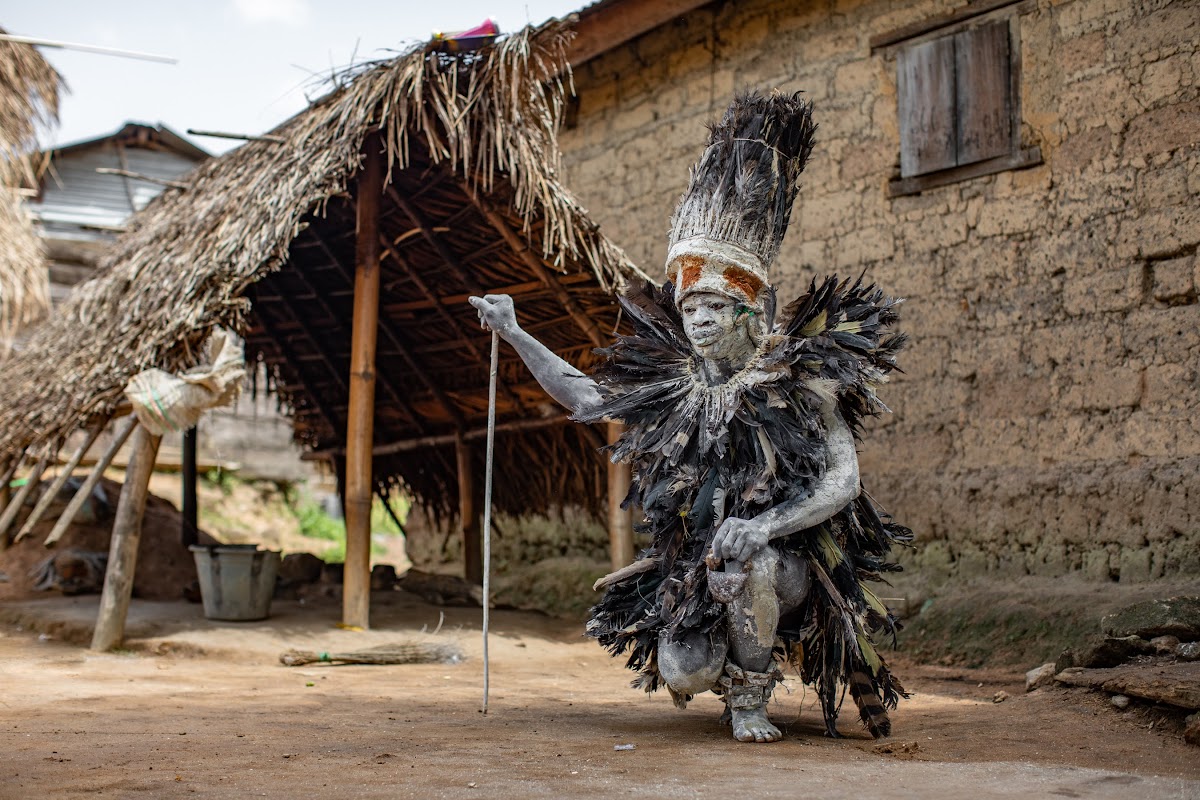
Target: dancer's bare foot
x,y
752,725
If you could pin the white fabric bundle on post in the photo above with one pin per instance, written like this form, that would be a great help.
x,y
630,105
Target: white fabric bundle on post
x,y
167,403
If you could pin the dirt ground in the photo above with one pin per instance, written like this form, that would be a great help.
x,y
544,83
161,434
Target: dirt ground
x,y
204,709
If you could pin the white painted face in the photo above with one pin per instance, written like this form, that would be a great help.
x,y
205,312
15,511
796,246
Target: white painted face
x,y
714,327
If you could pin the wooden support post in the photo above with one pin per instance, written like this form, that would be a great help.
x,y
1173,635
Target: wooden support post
x,y
360,427
189,521
14,508
620,521
126,534
10,469
52,492
85,491
468,516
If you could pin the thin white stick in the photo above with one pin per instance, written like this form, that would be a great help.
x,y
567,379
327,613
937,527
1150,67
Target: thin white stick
x,y
487,507
86,48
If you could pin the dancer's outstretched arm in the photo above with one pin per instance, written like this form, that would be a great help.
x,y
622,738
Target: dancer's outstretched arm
x,y
570,387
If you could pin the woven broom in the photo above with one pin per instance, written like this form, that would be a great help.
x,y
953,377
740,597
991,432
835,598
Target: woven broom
x,y
401,653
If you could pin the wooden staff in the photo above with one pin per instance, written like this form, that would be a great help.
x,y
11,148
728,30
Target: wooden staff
x,y
72,511
48,497
10,514
487,506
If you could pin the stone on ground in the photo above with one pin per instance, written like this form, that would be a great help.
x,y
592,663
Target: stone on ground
x,y
1040,676
1175,616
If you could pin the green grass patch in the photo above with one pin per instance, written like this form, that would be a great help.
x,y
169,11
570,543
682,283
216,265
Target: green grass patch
x,y
315,523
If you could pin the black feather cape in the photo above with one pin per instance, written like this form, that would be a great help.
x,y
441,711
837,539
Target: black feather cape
x,y
760,439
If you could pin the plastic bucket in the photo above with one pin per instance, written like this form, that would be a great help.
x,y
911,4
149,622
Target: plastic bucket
x,y
236,580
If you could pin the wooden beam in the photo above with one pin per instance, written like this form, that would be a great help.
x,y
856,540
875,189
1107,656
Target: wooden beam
x,y
414,364
453,323
543,273
534,288
126,535
246,137
620,520
10,468
322,408
937,22
137,176
360,429
418,220
388,385
618,22
1022,159
317,341
468,516
48,496
85,491
14,508
408,445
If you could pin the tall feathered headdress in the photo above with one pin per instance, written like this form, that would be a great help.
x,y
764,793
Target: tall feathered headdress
x,y
731,220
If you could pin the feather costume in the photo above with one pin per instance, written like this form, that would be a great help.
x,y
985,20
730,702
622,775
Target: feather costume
x,y
702,453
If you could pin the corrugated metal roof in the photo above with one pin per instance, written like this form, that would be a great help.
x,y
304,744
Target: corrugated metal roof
x,y
77,202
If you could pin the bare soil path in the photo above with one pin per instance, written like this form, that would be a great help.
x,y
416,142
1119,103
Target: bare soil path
x,y
204,709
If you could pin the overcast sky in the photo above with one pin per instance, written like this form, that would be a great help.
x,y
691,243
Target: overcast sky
x,y
244,65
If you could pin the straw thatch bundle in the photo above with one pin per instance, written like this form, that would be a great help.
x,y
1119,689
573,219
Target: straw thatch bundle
x,y
29,89
261,238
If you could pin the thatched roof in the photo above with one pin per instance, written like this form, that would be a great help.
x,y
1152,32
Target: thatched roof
x,y
29,89
263,240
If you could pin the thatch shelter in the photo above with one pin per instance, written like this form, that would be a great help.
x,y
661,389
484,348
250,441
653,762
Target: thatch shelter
x,y
343,245
29,89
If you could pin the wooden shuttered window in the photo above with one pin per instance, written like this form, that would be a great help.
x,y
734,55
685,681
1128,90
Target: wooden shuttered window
x,y
955,98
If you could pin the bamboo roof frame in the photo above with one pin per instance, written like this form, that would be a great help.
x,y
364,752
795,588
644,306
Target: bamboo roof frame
x,y
261,240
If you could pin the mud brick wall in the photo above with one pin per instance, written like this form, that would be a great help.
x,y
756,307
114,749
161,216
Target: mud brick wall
x,y
1047,422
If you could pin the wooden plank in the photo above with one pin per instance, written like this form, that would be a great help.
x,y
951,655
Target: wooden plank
x,y
1029,157
620,520
126,535
615,23
983,92
948,19
356,587
1174,684
468,515
925,105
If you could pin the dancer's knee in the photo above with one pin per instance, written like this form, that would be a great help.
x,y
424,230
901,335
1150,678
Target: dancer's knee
x,y
691,665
